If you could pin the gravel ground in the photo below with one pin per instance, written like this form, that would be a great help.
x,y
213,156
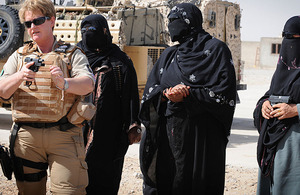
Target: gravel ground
x,y
239,180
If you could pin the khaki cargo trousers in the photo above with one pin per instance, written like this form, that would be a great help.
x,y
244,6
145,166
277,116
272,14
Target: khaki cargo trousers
x,y
62,150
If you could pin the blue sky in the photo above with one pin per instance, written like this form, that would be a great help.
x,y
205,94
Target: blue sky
x,y
265,18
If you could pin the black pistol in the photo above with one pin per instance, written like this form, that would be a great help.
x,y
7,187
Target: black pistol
x,y
38,62
278,99
6,162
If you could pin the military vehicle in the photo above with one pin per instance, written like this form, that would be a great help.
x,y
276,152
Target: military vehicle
x,y
139,28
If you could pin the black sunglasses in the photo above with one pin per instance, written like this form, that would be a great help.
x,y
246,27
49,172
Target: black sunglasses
x,y
36,21
89,28
288,35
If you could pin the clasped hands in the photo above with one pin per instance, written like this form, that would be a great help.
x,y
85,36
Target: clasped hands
x,y
280,111
177,93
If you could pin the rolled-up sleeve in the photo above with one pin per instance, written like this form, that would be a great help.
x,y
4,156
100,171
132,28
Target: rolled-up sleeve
x,y
10,67
80,66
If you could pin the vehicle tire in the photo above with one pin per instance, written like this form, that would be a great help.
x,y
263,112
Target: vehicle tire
x,y
11,31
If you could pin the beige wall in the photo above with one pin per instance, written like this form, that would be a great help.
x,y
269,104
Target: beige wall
x,y
267,59
259,54
249,52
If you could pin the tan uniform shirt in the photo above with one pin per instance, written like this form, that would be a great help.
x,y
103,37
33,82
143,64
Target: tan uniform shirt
x,y
79,63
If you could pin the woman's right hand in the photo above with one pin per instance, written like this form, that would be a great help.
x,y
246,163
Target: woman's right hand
x,y
266,110
26,74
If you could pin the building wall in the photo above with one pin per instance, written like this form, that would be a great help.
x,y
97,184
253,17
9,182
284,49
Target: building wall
x,y
259,54
249,53
267,59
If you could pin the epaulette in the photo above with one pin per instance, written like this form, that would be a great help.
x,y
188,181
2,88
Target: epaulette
x,y
64,47
29,47
61,46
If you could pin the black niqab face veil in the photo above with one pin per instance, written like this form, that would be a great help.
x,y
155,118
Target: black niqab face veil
x,y
97,41
184,19
288,68
97,38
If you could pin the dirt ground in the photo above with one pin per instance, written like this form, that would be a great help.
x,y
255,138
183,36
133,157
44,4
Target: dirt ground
x,y
239,181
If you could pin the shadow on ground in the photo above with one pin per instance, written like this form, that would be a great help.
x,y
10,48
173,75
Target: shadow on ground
x,y
236,139
242,124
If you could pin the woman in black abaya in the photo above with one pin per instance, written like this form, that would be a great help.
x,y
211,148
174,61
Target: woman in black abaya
x,y
278,149
190,94
116,123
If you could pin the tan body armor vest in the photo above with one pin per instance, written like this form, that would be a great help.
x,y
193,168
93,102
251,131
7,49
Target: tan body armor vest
x,y
42,101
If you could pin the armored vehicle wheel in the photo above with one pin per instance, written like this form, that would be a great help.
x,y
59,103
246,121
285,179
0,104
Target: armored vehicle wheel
x,y
11,31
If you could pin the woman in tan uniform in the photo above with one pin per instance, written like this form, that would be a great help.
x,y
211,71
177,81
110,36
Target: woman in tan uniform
x,y
42,135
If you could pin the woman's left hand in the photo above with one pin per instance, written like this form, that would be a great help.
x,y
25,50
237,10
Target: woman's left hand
x,y
57,76
283,111
134,135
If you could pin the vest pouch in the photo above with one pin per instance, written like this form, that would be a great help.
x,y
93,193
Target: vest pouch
x,y
82,110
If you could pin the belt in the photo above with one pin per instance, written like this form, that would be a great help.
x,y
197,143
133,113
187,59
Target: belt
x,y
63,124
41,125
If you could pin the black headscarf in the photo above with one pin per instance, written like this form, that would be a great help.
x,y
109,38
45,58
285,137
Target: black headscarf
x,y
285,82
184,20
288,67
97,45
